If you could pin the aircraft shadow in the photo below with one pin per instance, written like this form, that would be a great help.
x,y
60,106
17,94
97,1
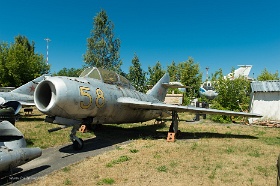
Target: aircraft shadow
x,y
108,135
30,119
199,135
7,179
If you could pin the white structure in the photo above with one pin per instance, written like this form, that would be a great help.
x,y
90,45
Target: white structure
x,y
265,99
242,71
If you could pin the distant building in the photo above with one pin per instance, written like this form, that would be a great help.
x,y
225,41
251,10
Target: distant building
x,y
265,100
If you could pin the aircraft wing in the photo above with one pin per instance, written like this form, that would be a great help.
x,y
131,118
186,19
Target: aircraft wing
x,y
137,104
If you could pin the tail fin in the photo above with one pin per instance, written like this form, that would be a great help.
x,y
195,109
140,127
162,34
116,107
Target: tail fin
x,y
159,90
242,71
29,87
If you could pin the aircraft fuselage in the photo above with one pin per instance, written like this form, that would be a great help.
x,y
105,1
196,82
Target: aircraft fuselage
x,y
80,98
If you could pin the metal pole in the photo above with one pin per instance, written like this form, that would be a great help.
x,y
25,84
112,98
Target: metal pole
x,y
48,40
207,68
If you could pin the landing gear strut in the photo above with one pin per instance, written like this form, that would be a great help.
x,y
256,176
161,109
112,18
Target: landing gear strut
x,y
78,143
174,124
173,129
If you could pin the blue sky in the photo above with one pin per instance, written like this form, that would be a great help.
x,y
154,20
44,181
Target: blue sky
x,y
216,34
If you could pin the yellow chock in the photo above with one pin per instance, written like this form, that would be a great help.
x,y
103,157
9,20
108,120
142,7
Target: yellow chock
x,y
170,137
83,128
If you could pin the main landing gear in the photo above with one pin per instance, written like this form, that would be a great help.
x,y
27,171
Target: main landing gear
x,y
78,143
173,129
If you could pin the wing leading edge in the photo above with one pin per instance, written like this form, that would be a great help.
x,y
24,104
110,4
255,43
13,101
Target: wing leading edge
x,y
137,104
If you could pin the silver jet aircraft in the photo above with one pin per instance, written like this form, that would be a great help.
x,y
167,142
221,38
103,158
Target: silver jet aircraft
x,y
23,94
100,96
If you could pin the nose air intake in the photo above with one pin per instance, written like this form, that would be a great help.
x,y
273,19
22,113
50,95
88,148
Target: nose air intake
x,y
44,95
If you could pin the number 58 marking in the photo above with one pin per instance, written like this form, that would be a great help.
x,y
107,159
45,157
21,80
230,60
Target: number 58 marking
x,y
100,99
83,92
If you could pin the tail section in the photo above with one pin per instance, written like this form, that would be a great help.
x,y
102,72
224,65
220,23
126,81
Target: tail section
x,y
242,71
159,90
28,88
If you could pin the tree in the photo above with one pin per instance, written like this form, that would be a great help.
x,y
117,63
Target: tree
x,y
136,75
265,76
155,73
20,63
102,48
189,74
4,50
233,95
72,72
173,71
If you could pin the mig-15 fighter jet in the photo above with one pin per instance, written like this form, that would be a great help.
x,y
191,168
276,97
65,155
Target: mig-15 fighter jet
x,y
100,96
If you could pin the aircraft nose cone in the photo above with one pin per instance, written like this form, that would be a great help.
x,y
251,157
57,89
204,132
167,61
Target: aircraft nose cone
x,y
47,94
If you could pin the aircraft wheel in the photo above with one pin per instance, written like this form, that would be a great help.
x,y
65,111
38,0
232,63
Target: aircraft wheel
x,y
77,146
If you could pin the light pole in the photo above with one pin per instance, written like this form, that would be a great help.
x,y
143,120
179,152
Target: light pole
x,y
48,40
207,68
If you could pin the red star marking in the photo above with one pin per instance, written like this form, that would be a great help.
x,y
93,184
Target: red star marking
x,y
160,91
32,88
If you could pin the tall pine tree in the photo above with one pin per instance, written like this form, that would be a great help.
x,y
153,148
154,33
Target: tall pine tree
x,y
102,47
156,72
136,75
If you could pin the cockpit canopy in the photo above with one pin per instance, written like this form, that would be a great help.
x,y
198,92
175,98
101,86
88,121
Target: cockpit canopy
x,y
106,76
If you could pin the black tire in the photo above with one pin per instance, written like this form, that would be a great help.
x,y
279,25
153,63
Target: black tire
x,y
77,146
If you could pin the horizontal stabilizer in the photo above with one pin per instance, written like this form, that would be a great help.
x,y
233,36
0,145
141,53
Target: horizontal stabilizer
x,y
174,85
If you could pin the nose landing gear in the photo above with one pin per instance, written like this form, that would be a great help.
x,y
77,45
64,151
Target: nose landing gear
x,y
78,143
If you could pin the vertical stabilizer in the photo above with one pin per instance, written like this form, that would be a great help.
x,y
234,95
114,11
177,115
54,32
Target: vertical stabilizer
x,y
28,88
159,90
242,71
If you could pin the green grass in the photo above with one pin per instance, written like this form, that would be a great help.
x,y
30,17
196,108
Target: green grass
x,y
36,133
118,161
66,169
134,150
230,150
106,181
67,181
206,153
255,153
162,168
